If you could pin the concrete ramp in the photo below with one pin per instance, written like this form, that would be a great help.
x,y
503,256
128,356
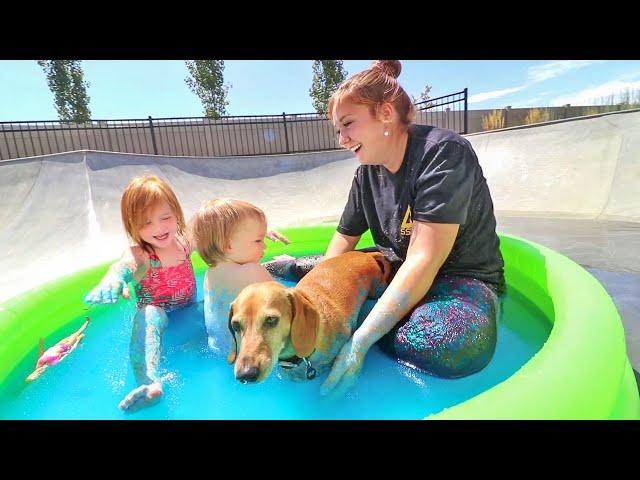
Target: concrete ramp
x,y
581,168
61,213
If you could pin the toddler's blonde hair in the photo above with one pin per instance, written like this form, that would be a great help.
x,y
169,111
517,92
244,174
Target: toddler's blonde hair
x,y
212,226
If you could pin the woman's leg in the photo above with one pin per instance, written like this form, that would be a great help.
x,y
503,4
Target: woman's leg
x,y
451,333
149,325
293,270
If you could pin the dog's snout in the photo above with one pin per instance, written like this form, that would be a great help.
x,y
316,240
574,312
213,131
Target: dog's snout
x,y
248,374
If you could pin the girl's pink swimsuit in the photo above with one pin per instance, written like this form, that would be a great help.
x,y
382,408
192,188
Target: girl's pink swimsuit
x,y
167,287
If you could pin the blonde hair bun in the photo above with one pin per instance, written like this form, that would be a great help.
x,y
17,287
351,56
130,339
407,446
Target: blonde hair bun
x,y
388,67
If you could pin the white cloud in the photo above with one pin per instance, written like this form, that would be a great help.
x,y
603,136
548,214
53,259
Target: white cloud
x,y
540,73
594,95
481,97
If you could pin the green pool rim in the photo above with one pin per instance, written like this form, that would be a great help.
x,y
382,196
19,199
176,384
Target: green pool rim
x,y
581,372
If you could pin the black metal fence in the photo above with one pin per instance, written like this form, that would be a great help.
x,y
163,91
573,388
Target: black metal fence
x,y
204,137
449,111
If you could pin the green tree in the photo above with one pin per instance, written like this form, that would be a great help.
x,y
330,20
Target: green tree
x,y
66,81
327,76
424,96
207,82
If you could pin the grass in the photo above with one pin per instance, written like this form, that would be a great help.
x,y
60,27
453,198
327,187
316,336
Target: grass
x,y
537,115
493,121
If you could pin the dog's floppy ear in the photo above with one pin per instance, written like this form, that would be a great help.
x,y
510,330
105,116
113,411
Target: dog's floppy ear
x,y
234,350
304,324
384,264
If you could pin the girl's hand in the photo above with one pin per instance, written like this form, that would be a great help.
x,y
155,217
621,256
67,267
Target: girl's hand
x,y
108,292
277,237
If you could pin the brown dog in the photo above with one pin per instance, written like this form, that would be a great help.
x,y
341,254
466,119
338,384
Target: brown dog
x,y
303,328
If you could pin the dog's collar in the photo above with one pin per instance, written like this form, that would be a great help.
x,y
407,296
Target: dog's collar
x,y
294,361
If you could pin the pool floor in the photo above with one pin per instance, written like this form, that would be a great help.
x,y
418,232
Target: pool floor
x,y
92,380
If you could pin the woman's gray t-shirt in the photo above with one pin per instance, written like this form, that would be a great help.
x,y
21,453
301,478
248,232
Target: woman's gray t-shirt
x,y
440,181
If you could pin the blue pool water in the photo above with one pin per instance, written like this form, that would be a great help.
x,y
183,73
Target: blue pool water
x,y
92,380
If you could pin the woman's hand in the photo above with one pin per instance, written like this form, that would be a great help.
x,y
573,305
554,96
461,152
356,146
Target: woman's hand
x,y
277,237
346,368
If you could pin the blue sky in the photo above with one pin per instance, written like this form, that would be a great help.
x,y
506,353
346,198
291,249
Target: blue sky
x,y
139,88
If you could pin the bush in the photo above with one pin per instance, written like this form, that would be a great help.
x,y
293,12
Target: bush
x,y
537,115
493,121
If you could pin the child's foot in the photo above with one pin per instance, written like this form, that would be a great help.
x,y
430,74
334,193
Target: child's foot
x,y
143,396
291,268
281,267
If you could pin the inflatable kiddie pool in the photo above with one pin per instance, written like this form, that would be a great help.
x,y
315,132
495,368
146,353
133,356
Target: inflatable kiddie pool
x,y
581,371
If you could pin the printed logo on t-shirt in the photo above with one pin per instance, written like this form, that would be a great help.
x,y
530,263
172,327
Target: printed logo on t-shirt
x,y
407,223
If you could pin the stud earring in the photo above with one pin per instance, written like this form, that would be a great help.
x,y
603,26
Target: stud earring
x,y
386,133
